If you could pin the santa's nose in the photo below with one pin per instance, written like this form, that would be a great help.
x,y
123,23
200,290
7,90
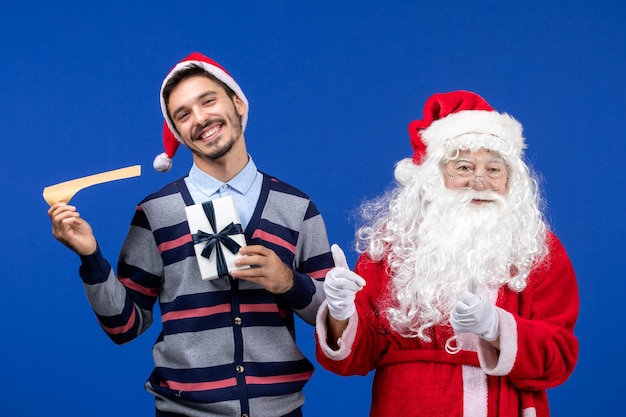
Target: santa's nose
x,y
479,182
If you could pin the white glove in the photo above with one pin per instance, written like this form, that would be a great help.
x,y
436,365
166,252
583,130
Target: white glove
x,y
474,313
341,286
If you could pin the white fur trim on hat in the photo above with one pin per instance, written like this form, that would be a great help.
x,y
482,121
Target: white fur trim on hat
x,y
474,129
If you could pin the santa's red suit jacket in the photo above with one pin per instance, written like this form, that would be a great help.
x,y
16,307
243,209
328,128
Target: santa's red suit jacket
x,y
538,350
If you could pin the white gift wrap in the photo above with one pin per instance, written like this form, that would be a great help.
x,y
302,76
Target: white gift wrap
x,y
225,214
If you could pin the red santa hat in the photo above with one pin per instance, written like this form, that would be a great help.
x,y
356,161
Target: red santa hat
x,y
171,138
463,120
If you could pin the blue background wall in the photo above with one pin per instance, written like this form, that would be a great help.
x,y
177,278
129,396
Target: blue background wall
x,y
332,87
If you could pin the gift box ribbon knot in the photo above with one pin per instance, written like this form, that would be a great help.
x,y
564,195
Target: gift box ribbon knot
x,y
215,241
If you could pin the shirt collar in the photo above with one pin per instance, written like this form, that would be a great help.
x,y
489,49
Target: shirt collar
x,y
240,183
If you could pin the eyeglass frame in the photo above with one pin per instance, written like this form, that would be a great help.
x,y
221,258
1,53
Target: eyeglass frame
x,y
473,178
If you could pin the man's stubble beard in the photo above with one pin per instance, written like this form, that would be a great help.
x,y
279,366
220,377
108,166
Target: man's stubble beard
x,y
234,120
217,153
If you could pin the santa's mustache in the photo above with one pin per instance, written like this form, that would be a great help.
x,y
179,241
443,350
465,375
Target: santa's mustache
x,y
467,196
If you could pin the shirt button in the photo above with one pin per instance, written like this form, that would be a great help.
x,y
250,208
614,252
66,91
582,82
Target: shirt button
x,y
244,415
239,369
225,186
238,321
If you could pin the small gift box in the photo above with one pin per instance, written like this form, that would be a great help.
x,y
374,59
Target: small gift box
x,y
217,236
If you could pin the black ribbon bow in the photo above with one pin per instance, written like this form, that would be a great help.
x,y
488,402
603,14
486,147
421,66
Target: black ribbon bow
x,y
215,241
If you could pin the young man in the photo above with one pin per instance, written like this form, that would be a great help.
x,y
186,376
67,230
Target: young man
x,y
227,347
462,300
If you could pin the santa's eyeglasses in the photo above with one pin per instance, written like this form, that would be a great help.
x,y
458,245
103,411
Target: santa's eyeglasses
x,y
463,175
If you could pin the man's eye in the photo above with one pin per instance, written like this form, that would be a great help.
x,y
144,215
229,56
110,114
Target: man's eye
x,y
209,100
181,116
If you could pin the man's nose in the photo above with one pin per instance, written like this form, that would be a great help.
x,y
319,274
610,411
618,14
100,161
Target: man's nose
x,y
198,116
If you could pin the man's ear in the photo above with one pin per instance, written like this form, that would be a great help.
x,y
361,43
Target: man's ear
x,y
239,105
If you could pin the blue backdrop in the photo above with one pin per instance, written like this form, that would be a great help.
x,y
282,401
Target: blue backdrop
x,y
332,87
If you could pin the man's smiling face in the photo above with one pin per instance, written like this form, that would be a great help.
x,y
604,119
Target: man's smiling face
x,y
205,116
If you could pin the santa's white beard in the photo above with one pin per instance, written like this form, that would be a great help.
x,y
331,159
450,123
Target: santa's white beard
x,y
458,245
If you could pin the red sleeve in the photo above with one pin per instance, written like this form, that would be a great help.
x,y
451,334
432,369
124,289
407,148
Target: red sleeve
x,y
547,347
369,342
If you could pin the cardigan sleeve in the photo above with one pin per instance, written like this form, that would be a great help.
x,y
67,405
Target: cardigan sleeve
x,y
123,303
313,259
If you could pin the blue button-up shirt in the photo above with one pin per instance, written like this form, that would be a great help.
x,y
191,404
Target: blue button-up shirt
x,y
245,188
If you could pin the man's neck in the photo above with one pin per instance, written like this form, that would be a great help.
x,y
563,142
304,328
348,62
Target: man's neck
x,y
229,165
223,169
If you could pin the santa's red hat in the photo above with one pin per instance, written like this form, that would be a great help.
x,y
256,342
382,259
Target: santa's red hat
x,y
171,138
463,120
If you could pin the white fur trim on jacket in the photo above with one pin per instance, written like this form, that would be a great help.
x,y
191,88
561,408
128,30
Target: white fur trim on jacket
x,y
500,363
346,340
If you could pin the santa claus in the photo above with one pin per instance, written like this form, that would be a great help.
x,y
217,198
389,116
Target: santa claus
x,y
462,300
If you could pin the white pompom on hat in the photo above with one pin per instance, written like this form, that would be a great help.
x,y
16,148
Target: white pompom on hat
x,y
463,120
163,161
171,138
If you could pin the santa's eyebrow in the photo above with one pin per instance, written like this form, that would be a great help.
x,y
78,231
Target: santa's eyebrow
x,y
497,160
464,159
490,160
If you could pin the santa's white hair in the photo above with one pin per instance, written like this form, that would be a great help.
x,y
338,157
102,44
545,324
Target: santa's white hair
x,y
437,244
